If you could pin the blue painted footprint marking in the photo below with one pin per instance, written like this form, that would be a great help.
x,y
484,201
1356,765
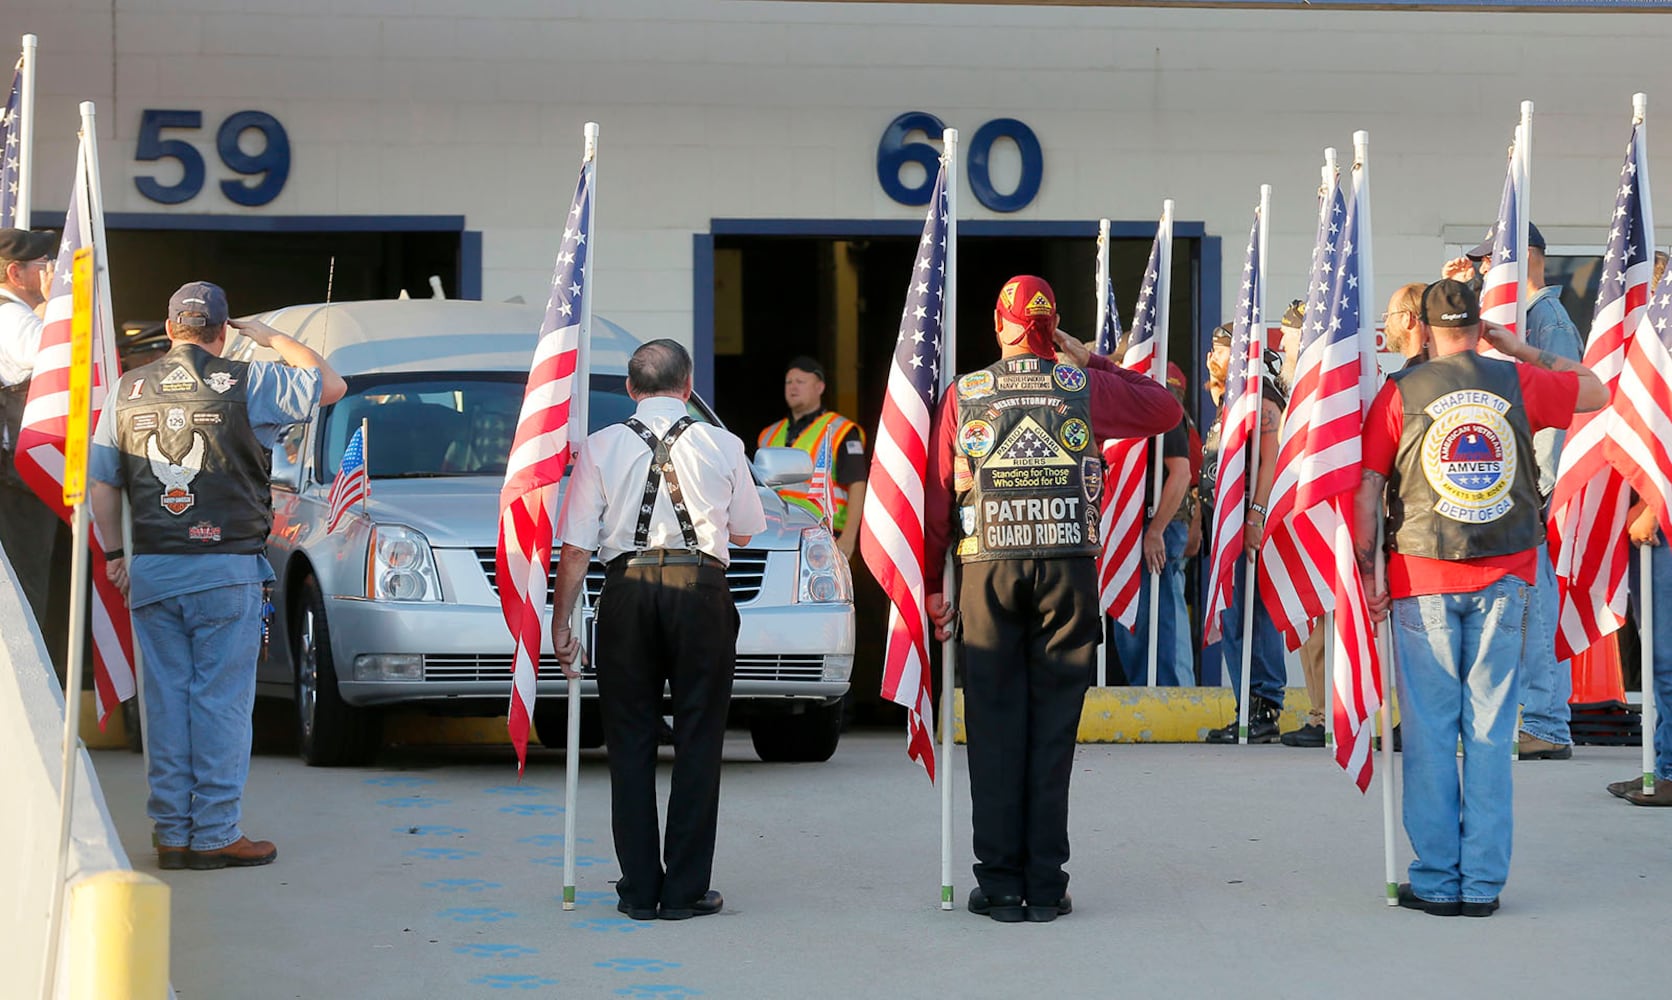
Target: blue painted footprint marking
x,y
432,831
515,790
610,925
581,861
494,950
462,885
506,982
413,802
594,897
476,915
647,965
442,853
658,991
532,809
399,781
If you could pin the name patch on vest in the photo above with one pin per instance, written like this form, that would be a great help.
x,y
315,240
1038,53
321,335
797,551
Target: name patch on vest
x,y
976,385
1469,456
1022,524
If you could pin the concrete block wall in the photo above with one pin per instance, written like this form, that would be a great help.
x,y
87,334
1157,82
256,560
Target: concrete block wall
x,y
736,108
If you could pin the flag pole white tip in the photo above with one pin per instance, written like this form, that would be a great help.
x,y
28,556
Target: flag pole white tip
x,y
1639,108
1329,158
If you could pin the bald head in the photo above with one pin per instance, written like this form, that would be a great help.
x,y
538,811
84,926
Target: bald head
x,y
659,368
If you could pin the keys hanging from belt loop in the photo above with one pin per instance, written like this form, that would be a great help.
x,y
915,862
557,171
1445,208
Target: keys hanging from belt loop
x,y
266,616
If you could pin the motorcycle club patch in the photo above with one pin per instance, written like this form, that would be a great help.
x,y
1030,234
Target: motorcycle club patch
x,y
205,532
1069,377
220,381
176,477
178,380
1469,456
976,385
176,419
1091,477
1074,434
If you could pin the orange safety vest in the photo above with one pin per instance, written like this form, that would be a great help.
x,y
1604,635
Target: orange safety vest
x,y
810,440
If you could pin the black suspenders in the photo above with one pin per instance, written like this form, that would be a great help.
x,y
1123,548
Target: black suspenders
x,y
661,467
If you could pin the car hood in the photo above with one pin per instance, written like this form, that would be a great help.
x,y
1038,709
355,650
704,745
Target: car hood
x,y
463,511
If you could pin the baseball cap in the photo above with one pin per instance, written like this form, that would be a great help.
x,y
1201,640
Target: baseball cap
x,y
1222,335
1295,317
1535,239
198,303
1175,376
806,363
25,244
1448,303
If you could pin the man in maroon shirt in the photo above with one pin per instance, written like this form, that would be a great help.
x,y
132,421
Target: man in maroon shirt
x,y
1450,442
1013,464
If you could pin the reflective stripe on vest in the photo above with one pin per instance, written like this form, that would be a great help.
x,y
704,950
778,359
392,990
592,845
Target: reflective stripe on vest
x,y
836,426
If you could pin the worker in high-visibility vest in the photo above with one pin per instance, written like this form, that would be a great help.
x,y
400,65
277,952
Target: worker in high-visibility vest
x,y
808,427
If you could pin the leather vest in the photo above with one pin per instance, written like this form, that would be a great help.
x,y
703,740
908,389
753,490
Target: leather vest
x,y
1464,485
827,425
1027,476
12,400
196,474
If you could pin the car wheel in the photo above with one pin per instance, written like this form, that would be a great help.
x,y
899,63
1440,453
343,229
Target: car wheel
x,y
551,722
808,737
329,731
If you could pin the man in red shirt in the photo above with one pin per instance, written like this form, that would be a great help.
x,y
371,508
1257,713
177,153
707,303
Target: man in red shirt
x,y
1014,466
1451,443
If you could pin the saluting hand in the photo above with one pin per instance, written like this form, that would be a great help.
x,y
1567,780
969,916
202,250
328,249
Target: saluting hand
x,y
254,329
1458,269
1072,350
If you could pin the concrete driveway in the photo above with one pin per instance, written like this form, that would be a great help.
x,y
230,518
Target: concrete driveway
x,y
1231,871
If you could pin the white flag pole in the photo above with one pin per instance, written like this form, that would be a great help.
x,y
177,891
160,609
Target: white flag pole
x,y
1158,370
1640,117
949,365
1329,176
578,399
25,137
1102,321
1368,372
1523,204
80,563
1258,332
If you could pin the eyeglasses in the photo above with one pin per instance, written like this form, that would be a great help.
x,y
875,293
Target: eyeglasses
x,y
1396,312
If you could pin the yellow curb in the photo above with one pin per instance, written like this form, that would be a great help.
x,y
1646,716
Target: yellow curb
x,y
1159,715
416,728
118,936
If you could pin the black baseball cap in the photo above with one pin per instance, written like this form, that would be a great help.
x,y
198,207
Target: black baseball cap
x,y
1295,317
1535,239
25,244
806,363
198,303
1448,303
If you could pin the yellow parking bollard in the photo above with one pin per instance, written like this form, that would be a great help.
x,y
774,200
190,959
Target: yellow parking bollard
x,y
117,938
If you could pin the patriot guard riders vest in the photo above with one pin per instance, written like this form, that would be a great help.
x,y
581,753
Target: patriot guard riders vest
x,y
1464,483
196,475
1026,476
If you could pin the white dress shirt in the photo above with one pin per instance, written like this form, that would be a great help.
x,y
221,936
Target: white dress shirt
x,y
601,501
20,339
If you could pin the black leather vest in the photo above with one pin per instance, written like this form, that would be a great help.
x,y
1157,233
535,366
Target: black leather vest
x,y
1464,483
1027,476
12,399
196,474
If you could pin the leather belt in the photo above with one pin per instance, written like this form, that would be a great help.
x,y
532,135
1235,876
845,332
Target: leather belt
x,y
666,557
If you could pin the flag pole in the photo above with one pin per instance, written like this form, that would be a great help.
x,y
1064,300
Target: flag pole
x,y
949,647
1102,320
1368,371
80,563
1640,118
25,137
1523,202
1330,175
1158,369
1258,332
366,466
578,400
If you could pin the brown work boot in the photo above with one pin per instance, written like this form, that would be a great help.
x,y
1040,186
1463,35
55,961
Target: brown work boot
x,y
1530,747
241,853
171,859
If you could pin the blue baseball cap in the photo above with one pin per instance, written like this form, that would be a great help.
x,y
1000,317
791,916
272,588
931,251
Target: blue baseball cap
x,y
198,303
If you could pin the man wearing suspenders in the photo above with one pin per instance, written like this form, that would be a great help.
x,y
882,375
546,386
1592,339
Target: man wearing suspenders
x,y
658,498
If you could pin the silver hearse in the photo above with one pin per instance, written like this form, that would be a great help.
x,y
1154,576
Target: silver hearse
x,y
399,606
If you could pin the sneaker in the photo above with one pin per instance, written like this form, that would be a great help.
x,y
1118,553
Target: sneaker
x,y
1530,747
1309,735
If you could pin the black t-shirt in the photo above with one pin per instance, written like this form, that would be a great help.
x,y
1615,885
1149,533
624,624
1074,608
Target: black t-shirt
x,y
851,463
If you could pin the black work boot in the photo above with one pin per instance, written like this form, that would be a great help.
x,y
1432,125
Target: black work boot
x,y
1262,720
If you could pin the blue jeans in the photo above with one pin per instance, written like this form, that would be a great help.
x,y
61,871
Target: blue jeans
x,y
1546,682
200,651
1457,660
1270,673
1171,632
1660,567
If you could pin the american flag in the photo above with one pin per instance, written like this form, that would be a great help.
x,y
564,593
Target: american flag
x,y
1500,290
1121,508
350,487
1109,334
1640,442
891,531
11,127
539,455
1307,566
818,487
1589,507
1239,424
40,447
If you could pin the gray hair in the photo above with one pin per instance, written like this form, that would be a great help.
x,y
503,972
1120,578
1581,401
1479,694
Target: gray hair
x,y
660,366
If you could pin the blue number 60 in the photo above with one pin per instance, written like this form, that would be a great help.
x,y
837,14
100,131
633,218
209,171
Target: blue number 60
x,y
894,152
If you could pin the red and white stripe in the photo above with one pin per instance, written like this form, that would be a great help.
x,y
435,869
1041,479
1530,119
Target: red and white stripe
x,y
1236,434
40,457
1121,525
1356,677
1640,441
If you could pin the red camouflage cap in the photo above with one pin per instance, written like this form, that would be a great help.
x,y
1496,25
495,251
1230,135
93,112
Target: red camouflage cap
x,y
1025,297
1175,376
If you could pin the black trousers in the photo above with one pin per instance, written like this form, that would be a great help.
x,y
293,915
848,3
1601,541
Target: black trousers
x,y
1030,634
674,625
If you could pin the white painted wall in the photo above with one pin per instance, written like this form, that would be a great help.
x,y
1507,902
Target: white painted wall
x,y
738,108
31,735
